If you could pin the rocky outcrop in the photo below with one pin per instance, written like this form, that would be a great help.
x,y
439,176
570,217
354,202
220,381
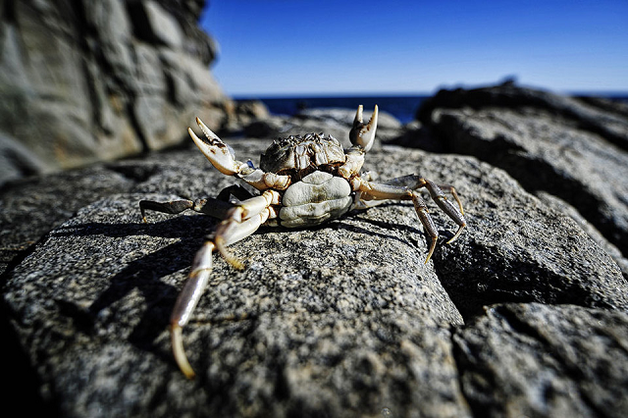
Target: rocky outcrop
x,y
597,116
573,152
546,361
84,81
523,315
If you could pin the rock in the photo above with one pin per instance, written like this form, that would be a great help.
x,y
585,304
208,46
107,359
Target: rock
x,y
610,125
90,81
562,206
515,252
613,106
16,161
155,25
270,127
548,361
30,208
417,135
187,13
549,143
248,115
340,320
253,109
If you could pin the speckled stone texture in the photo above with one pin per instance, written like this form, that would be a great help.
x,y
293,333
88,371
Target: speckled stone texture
x,y
524,314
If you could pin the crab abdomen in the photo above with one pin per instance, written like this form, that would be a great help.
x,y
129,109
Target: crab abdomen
x,y
317,198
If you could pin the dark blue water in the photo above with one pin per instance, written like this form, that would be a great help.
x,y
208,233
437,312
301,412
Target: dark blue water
x,y
401,107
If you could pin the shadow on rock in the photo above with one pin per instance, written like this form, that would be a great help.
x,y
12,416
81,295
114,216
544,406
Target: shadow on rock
x,y
144,274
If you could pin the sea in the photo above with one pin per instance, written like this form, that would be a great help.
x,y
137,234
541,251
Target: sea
x,y
402,107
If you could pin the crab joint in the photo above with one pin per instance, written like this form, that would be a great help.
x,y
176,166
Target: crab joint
x,y
242,221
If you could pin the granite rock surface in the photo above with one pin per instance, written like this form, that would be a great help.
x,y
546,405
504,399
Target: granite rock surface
x,y
525,314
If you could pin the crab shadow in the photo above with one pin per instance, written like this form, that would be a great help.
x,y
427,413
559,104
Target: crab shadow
x,y
144,274
414,230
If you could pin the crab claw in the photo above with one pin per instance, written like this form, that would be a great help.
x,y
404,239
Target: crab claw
x,y
217,152
364,134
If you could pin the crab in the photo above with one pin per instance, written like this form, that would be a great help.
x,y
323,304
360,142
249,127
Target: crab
x,y
303,181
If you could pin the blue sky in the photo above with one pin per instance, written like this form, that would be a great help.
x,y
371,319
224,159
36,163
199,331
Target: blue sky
x,y
323,47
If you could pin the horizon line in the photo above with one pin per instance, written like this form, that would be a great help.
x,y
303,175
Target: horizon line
x,y
326,95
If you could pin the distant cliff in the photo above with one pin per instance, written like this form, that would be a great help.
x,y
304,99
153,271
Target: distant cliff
x,y
84,81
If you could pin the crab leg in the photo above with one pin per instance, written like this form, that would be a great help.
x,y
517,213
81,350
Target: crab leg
x,y
379,191
412,181
243,220
446,206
